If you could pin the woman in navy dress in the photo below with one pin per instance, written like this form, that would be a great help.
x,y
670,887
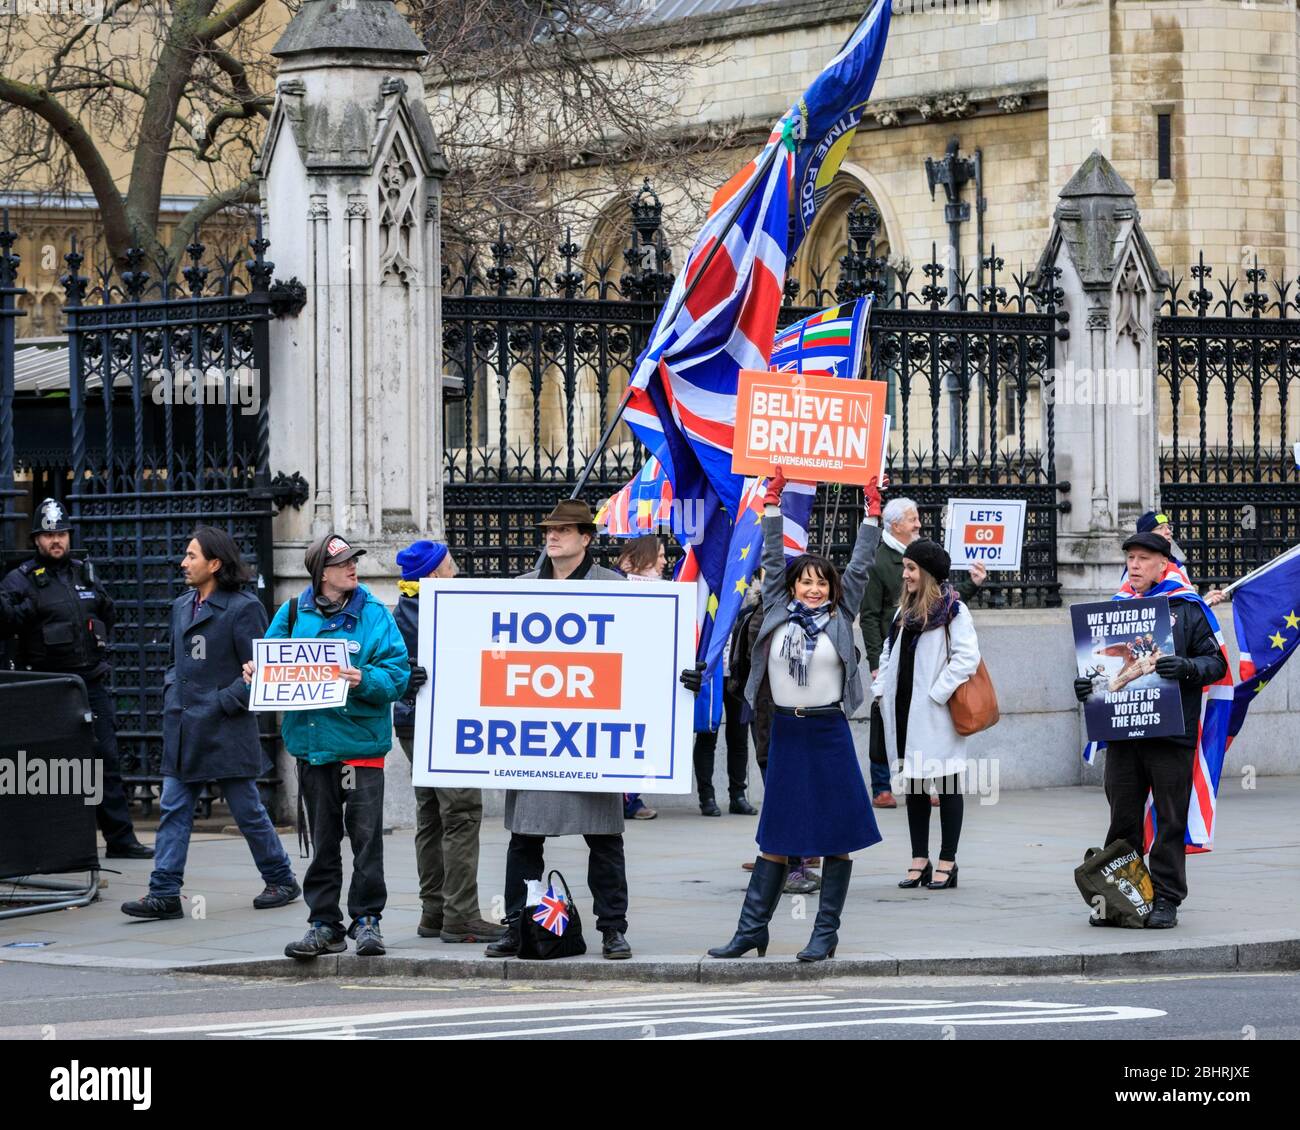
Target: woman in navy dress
x,y
815,801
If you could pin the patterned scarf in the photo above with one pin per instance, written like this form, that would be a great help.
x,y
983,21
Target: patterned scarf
x,y
806,624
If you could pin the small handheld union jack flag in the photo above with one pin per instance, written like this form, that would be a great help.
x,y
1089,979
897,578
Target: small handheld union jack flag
x,y
552,912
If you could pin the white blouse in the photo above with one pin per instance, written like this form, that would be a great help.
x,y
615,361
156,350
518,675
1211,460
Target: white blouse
x,y
825,673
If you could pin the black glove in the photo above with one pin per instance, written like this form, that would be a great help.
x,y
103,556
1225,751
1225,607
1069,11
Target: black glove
x,y
1082,688
419,676
1174,667
693,678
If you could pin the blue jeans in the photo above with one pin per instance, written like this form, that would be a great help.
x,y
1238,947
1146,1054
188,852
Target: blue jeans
x,y
880,782
177,821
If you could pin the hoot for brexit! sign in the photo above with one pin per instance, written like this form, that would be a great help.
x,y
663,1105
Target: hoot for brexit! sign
x,y
555,685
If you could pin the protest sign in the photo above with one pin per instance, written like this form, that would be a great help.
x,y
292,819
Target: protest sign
x,y
815,427
298,674
1117,643
569,686
990,531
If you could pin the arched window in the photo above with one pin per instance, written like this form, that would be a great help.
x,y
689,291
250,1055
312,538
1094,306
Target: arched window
x,y
816,266
48,319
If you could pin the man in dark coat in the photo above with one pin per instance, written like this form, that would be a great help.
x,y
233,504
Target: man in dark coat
x,y
1161,766
531,816
61,616
208,732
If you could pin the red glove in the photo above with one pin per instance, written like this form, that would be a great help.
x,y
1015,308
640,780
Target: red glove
x,y
871,492
775,485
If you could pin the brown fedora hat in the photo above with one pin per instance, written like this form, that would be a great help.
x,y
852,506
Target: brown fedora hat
x,y
571,512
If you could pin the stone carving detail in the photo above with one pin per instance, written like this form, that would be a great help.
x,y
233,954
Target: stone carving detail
x,y
357,209
1011,103
1130,312
925,108
887,118
1098,319
956,105
398,183
318,209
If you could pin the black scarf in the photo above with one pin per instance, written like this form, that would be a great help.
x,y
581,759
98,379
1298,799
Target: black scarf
x,y
547,571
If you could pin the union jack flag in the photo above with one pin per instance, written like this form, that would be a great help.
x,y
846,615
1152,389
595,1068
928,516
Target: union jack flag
x,y
682,395
1212,731
552,912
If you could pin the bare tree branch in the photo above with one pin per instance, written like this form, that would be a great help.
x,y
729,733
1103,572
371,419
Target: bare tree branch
x,y
243,193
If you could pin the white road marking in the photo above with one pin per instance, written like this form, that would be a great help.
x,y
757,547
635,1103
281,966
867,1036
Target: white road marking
x,y
647,1000
722,1015
1055,1016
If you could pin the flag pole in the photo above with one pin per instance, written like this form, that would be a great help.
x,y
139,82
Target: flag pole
x,y
1266,566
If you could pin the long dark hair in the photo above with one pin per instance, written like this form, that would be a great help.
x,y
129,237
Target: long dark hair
x,y
640,554
217,545
822,567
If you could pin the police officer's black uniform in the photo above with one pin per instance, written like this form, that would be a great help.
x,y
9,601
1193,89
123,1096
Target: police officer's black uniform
x,y
61,617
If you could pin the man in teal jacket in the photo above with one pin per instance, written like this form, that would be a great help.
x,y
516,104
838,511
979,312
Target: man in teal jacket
x,y
340,751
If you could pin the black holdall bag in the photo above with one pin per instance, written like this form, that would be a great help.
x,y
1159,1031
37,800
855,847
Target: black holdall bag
x,y
1115,882
536,942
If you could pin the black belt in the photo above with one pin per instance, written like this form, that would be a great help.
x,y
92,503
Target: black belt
x,y
810,711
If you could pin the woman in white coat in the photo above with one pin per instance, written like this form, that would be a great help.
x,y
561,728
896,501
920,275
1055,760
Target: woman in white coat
x,y
931,650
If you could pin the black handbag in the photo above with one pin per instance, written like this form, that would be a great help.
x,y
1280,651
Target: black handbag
x,y
536,942
878,754
1116,884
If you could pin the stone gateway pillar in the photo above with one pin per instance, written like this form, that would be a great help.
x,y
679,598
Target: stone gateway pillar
x,y
1104,393
350,172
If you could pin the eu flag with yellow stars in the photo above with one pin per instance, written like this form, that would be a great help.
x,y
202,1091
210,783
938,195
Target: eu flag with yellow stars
x,y
1266,611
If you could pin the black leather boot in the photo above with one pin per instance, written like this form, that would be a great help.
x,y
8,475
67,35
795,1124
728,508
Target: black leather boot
x,y
761,899
835,889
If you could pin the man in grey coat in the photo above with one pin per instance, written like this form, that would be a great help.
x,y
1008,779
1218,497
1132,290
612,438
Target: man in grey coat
x,y
208,732
597,817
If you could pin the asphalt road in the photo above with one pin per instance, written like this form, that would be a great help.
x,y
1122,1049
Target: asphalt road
x,y
44,1002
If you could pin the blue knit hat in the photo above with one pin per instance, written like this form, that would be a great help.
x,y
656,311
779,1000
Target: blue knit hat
x,y
420,558
1150,520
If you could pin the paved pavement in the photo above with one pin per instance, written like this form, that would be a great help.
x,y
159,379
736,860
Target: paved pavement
x,y
1016,910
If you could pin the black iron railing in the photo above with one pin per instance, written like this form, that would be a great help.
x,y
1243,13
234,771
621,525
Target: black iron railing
x,y
168,396
1228,380
542,346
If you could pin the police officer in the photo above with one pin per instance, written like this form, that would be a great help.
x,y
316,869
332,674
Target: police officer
x,y
61,619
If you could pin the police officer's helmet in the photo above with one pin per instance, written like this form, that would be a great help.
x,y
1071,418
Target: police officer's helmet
x,y
50,518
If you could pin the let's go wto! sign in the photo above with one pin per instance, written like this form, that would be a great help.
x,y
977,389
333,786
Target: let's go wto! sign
x,y
557,685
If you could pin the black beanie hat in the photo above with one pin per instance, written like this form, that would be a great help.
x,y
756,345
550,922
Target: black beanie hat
x,y
931,557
